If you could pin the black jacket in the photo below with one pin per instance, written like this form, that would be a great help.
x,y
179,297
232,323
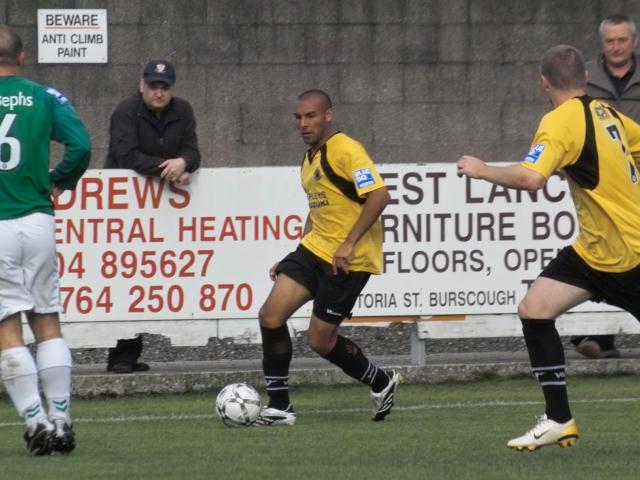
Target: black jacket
x,y
139,142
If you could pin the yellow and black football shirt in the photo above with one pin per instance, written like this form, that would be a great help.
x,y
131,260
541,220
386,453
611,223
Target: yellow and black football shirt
x,y
336,180
598,149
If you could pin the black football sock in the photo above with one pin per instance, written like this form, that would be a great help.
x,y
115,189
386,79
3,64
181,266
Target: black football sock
x,y
348,356
276,358
547,364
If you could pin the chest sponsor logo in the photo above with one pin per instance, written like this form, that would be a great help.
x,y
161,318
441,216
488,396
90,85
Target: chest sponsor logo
x,y
601,112
534,153
317,199
363,178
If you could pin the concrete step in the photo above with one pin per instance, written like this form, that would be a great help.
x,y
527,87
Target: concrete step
x,y
201,376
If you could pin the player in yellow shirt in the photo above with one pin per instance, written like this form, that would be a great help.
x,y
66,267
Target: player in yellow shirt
x,y
597,150
341,247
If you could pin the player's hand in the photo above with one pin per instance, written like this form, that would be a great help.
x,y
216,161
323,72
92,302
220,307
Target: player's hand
x,y
173,168
272,272
341,258
470,166
56,191
184,179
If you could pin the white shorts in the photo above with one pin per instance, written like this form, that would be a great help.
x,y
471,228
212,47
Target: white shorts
x,y
28,265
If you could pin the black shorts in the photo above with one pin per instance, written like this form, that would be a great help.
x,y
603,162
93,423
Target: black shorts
x,y
619,289
333,295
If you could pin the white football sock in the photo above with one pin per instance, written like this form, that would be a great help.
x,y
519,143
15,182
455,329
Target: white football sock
x,y
20,379
54,368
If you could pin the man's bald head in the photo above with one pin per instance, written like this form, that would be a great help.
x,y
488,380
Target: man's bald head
x,y
320,94
10,46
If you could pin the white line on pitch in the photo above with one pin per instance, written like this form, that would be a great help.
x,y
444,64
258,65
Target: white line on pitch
x,y
435,406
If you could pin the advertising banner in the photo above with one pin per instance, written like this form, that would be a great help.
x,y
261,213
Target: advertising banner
x,y
137,248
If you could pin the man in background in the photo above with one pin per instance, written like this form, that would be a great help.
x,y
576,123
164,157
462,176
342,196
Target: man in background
x,y
32,115
153,133
614,78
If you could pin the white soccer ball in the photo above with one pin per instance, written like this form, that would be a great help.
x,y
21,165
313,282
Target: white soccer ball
x,y
238,404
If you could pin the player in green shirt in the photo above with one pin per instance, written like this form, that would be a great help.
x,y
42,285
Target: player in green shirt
x,y
30,117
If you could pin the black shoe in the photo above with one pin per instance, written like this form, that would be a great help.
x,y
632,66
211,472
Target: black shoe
x,y
141,367
40,441
592,349
121,367
589,348
609,353
63,439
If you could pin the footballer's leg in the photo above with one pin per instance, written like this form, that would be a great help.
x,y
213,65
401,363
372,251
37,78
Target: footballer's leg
x,y
53,358
547,361
334,301
324,339
20,378
54,363
287,296
18,369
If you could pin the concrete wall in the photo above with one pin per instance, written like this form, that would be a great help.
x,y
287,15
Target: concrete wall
x,y
414,80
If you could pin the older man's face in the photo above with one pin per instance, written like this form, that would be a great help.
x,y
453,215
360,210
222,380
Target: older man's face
x,y
618,44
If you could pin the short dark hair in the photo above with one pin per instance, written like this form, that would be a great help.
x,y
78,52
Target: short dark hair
x,y
618,19
10,46
326,99
563,66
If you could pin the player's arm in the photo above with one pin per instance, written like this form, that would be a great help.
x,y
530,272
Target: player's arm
x,y
372,208
512,176
69,130
554,147
124,146
55,190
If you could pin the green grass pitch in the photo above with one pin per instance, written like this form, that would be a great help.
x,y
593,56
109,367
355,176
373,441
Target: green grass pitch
x,y
446,431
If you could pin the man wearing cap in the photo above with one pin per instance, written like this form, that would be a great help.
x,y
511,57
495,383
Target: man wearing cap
x,y
153,133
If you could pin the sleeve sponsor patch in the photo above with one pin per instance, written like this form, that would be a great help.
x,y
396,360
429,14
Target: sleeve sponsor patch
x,y
363,177
59,96
534,153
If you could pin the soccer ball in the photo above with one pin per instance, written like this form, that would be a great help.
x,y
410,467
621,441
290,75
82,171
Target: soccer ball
x,y
238,404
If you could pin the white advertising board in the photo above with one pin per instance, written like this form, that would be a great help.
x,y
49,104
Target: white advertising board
x,y
72,36
462,246
135,248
